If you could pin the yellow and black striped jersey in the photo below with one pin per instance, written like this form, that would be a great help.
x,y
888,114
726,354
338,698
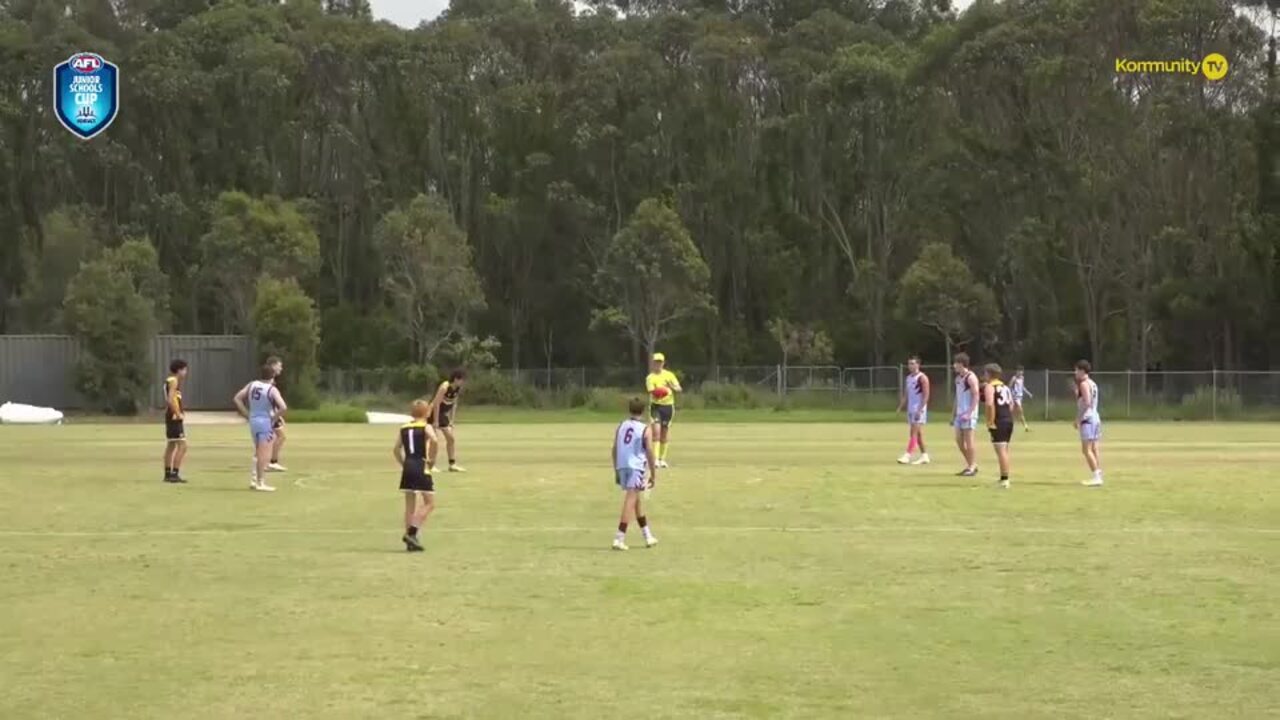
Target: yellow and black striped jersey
x,y
172,398
413,438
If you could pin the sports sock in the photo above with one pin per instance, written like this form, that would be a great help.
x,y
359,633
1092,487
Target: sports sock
x,y
662,453
275,460
643,522
411,531
1004,477
453,461
168,471
622,528
911,445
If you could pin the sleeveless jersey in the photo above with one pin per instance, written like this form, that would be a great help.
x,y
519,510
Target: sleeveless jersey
x,y
631,454
1003,397
451,392
413,437
915,392
260,403
964,395
1019,388
1089,413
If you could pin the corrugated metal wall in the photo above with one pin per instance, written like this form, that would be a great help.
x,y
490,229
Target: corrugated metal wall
x,y
40,369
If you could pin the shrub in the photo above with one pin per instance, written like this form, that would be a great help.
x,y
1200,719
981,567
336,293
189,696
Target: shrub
x,y
285,323
610,400
1203,405
114,324
329,413
493,387
729,396
415,380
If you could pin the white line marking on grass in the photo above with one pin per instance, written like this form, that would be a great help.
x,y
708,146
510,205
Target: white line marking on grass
x,y
718,529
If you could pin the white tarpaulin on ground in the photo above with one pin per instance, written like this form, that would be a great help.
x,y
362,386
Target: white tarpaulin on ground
x,y
381,418
19,414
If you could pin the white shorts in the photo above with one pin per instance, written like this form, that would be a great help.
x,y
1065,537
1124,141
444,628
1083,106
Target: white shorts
x,y
918,417
1091,430
631,479
970,424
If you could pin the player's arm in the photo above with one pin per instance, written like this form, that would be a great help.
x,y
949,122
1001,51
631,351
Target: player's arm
x,y
925,388
397,452
240,399
171,396
1026,390
613,452
650,455
1086,402
673,382
278,400
989,401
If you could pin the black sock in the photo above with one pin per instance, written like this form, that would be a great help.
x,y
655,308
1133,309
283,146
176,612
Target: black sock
x,y
622,528
1003,477
452,461
412,531
642,521
274,460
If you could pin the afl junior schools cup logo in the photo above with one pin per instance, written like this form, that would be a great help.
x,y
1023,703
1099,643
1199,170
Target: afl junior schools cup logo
x,y
86,94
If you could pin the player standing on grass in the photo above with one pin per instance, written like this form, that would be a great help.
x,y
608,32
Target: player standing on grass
x,y
635,467
998,400
277,427
1088,422
915,398
662,386
1019,388
175,433
444,418
260,401
965,417
410,453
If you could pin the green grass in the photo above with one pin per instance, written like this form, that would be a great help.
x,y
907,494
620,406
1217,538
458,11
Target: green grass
x,y
802,574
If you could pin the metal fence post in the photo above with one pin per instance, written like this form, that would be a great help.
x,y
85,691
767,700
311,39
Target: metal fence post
x,y
1214,393
1128,393
1046,395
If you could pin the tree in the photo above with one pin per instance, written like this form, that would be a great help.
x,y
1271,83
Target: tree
x,y
939,292
285,323
801,343
138,260
69,239
652,276
252,237
427,274
114,324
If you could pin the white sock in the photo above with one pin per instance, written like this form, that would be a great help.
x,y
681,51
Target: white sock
x,y
646,532
620,536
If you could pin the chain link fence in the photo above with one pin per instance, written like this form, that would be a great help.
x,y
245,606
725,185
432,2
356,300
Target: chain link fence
x,y
1051,393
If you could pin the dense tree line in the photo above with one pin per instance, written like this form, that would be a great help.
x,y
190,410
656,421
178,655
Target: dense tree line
x,y
736,180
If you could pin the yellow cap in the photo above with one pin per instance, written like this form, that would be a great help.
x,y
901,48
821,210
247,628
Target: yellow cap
x,y
659,357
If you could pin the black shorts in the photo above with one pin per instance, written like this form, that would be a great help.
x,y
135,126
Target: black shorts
x,y
662,414
446,416
415,478
174,430
1001,433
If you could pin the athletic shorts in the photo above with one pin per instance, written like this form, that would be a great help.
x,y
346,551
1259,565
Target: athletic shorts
x,y
631,479
415,478
174,430
260,430
1001,433
446,416
919,417
662,414
970,424
1091,430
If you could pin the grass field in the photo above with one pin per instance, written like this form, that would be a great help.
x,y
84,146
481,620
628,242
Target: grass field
x,y
801,574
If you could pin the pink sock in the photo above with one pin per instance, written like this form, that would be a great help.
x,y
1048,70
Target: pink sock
x,y
911,445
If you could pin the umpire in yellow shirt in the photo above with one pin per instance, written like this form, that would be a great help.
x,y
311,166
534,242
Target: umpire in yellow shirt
x,y
662,386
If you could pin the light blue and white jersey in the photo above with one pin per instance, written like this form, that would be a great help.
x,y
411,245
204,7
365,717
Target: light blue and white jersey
x,y
630,453
965,401
1089,413
913,386
1019,388
261,404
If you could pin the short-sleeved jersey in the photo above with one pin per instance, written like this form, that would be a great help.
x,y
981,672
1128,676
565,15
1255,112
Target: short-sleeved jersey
x,y
1090,412
172,398
413,438
1003,398
664,379
451,392
261,402
630,453
965,401
913,386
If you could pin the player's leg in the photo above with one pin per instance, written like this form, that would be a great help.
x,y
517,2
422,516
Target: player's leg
x,y
628,511
276,446
1002,457
179,457
643,521
666,413
918,429
263,443
960,446
911,441
170,451
428,507
451,447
